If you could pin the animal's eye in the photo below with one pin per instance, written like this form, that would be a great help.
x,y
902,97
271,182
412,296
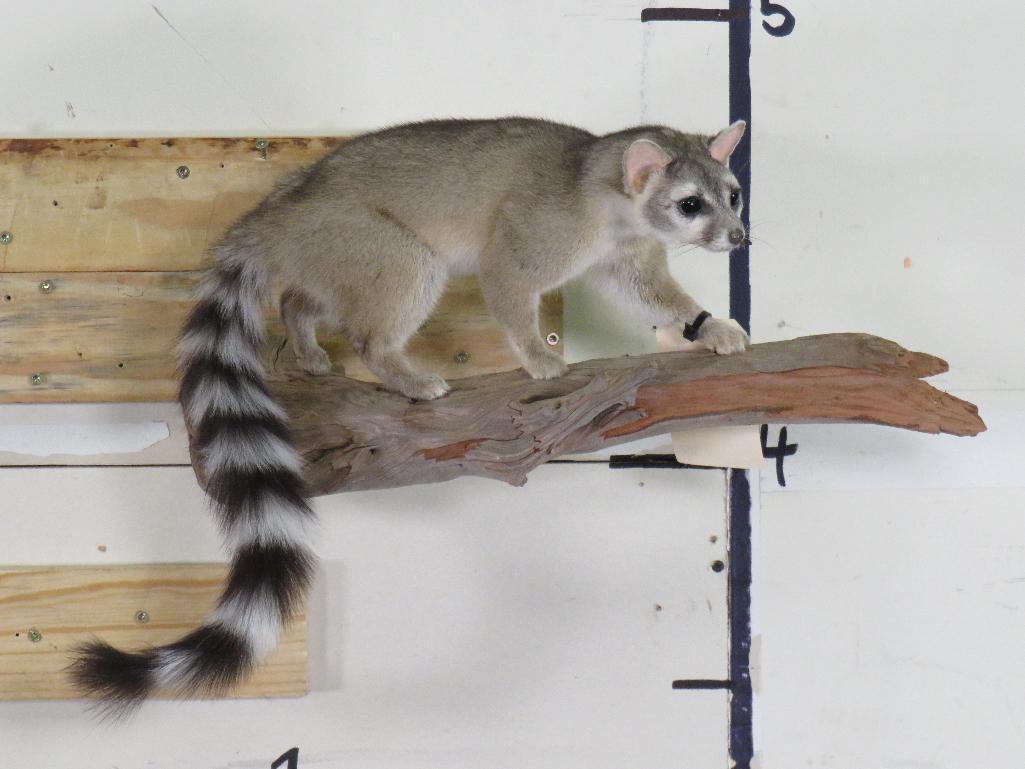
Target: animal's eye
x,y
734,198
690,206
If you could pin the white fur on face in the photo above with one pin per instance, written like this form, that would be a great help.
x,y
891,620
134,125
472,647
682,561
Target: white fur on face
x,y
680,191
720,243
717,215
691,231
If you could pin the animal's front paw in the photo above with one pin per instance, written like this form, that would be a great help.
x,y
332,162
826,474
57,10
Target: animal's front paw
x,y
723,337
546,366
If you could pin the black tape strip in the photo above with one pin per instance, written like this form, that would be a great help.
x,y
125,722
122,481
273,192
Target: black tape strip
x,y
652,461
739,591
687,14
740,161
739,583
702,683
739,596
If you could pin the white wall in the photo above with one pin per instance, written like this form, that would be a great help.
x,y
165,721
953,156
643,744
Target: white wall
x,y
466,624
886,181
460,625
521,632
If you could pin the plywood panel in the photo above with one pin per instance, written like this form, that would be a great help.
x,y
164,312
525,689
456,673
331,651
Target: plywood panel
x,y
121,204
109,336
46,611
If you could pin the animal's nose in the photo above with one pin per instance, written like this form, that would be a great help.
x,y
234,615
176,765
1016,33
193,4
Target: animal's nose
x,y
736,237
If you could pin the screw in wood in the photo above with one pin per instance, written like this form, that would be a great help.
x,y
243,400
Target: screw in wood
x,y
183,172
462,357
262,144
142,616
34,635
552,339
35,379
6,237
46,286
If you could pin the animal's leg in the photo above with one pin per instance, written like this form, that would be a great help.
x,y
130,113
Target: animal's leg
x,y
301,315
402,280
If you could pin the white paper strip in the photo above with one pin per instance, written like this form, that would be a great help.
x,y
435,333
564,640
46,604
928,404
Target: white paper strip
x,y
81,439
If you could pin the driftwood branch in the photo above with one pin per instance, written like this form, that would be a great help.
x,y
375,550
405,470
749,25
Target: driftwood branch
x,y
355,435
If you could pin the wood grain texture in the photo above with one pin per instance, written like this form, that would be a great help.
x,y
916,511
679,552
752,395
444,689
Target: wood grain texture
x,y
109,336
68,605
119,204
118,234
355,436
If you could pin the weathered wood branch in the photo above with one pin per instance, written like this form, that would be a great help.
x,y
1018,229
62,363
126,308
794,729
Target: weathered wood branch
x,y
356,435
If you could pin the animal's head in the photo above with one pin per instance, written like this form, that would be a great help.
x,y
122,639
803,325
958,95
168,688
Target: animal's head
x,y
688,197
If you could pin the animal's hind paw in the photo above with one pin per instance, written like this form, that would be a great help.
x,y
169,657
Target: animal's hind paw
x,y
317,362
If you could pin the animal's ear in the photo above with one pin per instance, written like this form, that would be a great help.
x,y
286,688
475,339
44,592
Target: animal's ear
x,y
721,146
640,161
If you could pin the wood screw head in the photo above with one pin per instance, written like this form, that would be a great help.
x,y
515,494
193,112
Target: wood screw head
x,y
462,357
552,339
46,286
183,172
35,379
262,144
34,635
142,616
6,237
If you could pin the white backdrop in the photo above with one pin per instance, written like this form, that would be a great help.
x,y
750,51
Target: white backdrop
x,y
474,625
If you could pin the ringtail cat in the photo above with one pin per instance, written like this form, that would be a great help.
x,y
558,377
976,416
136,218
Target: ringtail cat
x,y
365,240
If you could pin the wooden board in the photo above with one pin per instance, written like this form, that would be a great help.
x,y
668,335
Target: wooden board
x,y
114,233
46,611
110,336
119,204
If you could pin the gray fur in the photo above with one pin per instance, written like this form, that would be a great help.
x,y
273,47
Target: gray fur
x,y
366,239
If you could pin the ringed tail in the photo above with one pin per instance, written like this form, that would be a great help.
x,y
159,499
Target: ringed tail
x,y
254,482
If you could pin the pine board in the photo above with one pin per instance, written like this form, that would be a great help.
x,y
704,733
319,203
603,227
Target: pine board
x,y
110,336
70,604
117,235
119,204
